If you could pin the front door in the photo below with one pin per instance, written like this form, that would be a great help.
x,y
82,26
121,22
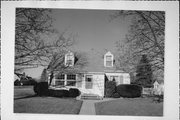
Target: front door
x,y
89,82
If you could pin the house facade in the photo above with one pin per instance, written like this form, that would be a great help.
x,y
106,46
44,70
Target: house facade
x,y
92,77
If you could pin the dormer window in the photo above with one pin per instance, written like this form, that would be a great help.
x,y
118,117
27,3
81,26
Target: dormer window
x,y
69,59
108,59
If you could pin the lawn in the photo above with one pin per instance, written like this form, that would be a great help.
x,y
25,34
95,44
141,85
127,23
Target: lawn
x,y
23,91
25,102
130,107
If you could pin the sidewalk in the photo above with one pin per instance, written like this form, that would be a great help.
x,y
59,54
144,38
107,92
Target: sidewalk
x,y
88,106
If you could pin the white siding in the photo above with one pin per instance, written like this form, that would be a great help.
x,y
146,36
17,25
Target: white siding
x,y
98,85
122,78
126,78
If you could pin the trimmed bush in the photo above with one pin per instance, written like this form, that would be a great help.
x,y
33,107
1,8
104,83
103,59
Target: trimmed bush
x,y
41,88
74,92
129,90
110,88
116,95
58,93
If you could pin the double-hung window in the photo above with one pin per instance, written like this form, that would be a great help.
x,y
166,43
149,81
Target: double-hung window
x,y
69,59
71,80
109,61
60,80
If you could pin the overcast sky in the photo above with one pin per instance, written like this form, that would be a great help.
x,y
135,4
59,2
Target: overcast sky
x,y
93,30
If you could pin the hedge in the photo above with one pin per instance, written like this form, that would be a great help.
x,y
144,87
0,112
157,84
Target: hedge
x,y
74,92
129,90
41,88
110,88
58,93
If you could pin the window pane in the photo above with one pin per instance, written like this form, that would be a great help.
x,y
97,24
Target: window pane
x,y
89,78
108,63
113,78
71,77
69,57
71,83
69,62
59,83
61,76
108,58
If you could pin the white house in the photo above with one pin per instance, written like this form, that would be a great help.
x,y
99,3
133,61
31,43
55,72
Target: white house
x,y
92,77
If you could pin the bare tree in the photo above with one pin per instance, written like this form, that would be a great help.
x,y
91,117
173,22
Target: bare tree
x,y
57,64
146,36
31,47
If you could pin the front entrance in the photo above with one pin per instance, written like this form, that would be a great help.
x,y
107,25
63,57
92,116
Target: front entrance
x,y
89,82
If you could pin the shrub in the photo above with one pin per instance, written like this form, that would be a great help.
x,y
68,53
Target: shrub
x,y
58,93
41,88
116,95
129,90
36,88
74,92
110,88
29,82
32,82
17,83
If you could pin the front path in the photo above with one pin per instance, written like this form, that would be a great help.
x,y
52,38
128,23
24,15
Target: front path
x,y
88,106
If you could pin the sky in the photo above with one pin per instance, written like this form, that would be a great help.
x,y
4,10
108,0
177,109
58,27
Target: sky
x,y
92,29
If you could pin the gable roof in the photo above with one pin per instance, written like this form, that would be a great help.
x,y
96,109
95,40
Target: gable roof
x,y
96,64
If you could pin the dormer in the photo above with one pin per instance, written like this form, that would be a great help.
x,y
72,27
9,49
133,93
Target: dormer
x,y
108,59
69,59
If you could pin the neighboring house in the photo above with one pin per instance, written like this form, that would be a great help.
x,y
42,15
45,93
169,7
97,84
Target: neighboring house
x,y
158,87
91,78
16,78
23,79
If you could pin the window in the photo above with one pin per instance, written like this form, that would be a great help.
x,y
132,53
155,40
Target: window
x,y
114,78
71,77
71,80
69,59
108,59
60,80
61,76
89,82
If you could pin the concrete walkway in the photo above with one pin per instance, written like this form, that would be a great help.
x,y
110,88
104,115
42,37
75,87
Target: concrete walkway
x,y
88,106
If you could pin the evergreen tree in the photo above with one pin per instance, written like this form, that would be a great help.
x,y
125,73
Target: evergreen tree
x,y
144,72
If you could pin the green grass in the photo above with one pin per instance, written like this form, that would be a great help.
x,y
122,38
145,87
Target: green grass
x,y
50,105
23,91
130,107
